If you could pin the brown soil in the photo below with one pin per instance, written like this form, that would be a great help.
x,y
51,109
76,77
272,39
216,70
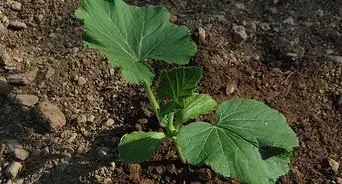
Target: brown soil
x,y
287,65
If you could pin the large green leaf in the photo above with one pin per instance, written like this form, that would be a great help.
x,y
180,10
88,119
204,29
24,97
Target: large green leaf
x,y
128,35
249,141
139,146
178,83
194,106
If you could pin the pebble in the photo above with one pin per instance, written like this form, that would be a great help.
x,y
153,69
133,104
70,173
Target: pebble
x,y
45,150
5,21
201,33
320,12
338,59
91,118
72,138
289,21
333,164
2,28
231,88
49,73
17,79
21,154
17,25
110,122
240,6
265,26
81,81
239,34
221,18
173,18
7,61
13,169
143,121
27,100
16,6
113,164
50,116
329,51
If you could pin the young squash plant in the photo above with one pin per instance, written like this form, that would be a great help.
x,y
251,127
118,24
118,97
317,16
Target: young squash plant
x,y
248,140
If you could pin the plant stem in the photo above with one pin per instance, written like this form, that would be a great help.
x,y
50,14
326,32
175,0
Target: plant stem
x,y
152,99
170,127
179,151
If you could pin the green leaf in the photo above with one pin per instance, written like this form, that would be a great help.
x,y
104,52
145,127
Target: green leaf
x,y
194,106
128,35
178,83
139,146
249,141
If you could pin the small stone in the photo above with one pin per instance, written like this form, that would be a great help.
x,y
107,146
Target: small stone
x,y
5,21
17,25
113,165
21,154
50,116
82,118
2,28
17,79
111,71
201,33
91,118
103,151
173,18
221,18
110,122
289,21
231,88
16,6
66,156
240,6
72,138
265,26
49,73
329,51
204,174
19,181
320,12
31,75
143,121
107,181
333,164
39,18
339,180
8,62
338,59
45,150
13,169
81,81
239,35
27,100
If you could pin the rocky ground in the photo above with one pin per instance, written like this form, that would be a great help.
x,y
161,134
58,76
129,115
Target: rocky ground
x,y
63,108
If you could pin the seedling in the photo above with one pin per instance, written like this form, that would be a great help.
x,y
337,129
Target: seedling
x,y
248,140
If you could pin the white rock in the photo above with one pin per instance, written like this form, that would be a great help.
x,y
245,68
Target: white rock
x,y
13,169
21,154
27,100
110,122
239,34
201,33
17,25
50,116
81,81
16,6
333,164
289,21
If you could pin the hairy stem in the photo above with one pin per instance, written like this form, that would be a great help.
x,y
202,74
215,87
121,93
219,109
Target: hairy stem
x,y
179,151
152,99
